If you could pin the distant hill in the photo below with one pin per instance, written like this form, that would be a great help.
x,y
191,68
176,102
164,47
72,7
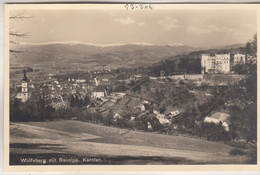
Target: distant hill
x,y
117,55
188,63
233,46
67,53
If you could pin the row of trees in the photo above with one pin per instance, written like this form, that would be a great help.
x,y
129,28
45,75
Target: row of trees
x,y
76,101
31,110
176,65
251,46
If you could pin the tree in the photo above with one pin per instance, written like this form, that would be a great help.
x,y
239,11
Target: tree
x,y
120,88
86,100
41,107
49,112
13,34
14,109
251,46
212,131
72,101
108,119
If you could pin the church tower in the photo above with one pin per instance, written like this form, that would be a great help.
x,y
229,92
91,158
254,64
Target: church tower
x,y
24,90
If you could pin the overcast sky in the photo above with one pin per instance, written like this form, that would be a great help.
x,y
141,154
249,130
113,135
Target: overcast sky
x,y
189,27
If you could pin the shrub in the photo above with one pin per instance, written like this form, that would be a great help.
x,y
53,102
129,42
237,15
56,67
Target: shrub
x,y
123,123
181,82
66,113
238,145
108,119
236,151
211,131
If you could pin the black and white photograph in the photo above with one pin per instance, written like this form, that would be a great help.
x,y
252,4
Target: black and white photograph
x,y
131,84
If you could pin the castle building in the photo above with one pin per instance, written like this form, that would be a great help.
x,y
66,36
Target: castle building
x,y
207,63
220,63
24,94
239,59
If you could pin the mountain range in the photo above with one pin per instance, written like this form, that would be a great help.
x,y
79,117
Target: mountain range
x,y
135,54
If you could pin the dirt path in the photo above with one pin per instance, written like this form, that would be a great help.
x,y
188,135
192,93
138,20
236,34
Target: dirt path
x,y
85,139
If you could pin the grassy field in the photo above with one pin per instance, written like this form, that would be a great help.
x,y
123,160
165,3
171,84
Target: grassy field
x,y
75,140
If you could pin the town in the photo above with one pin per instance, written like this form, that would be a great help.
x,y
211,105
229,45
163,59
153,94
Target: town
x,y
118,101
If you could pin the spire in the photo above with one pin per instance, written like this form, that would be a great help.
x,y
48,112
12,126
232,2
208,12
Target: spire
x,y
24,76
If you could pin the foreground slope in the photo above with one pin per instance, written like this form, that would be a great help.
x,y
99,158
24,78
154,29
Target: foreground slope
x,y
67,139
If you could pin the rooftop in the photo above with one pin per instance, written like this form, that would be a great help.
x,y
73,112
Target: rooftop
x,y
99,88
220,116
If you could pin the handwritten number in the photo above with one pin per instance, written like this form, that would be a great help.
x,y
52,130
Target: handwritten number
x,y
140,6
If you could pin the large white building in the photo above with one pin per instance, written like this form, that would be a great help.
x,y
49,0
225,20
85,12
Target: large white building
x,y
207,63
220,63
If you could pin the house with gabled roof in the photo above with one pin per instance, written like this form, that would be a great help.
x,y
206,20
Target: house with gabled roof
x,y
99,92
219,117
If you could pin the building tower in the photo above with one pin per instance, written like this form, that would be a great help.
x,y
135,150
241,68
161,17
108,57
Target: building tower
x,y
24,89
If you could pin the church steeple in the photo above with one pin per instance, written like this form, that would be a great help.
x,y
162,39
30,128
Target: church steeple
x,y
24,94
24,76
24,90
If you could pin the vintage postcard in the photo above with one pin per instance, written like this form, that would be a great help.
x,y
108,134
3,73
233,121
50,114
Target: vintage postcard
x,y
131,87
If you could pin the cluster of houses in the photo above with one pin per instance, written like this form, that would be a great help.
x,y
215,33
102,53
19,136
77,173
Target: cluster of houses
x,y
57,91
61,90
144,108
